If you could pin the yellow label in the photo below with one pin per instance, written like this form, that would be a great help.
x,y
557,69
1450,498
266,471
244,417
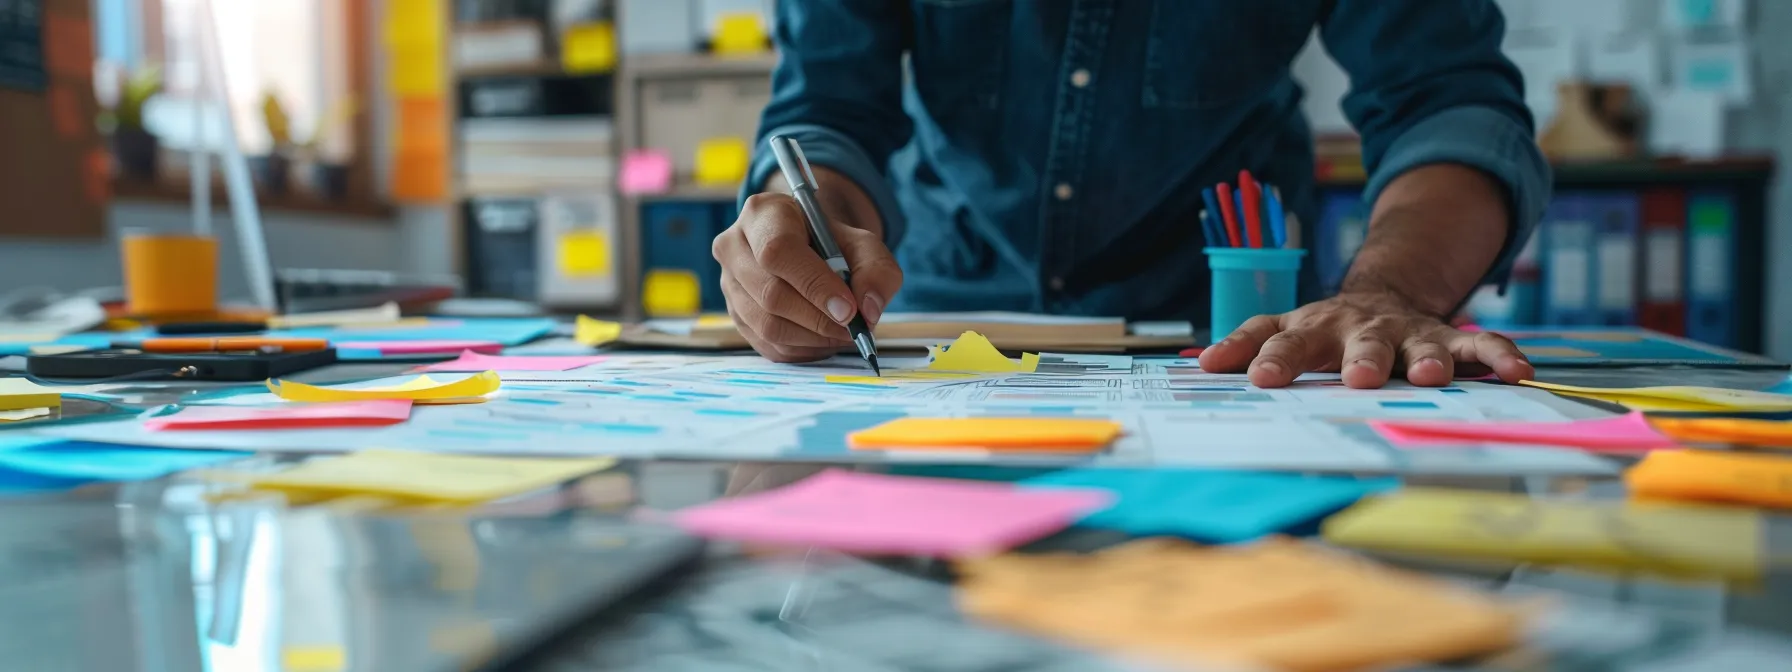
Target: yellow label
x,y
722,162
584,254
588,48
739,34
671,292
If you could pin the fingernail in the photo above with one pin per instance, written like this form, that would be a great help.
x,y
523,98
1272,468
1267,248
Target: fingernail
x,y
1433,361
1273,368
1365,362
1222,343
839,309
873,308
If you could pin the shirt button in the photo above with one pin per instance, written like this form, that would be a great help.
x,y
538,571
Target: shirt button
x,y
1057,284
1080,78
1063,191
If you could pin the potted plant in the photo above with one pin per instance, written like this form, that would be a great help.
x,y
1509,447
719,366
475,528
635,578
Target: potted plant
x,y
138,151
273,169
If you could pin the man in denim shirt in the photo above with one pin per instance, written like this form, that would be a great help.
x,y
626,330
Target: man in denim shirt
x,y
1049,156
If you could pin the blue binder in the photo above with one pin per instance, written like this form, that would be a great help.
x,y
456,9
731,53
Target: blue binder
x,y
677,235
1568,262
1710,268
1618,219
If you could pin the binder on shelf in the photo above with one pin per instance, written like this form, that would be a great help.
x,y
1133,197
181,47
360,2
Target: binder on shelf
x,y
677,237
1663,303
1617,219
1568,273
501,251
1710,266
577,230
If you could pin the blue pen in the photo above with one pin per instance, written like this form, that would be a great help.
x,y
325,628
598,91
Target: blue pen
x,y
1213,219
1278,223
1216,237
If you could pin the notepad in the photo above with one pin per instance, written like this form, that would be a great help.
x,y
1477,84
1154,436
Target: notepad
x,y
1677,540
449,479
473,361
1677,397
1272,605
1761,433
593,332
422,347
871,513
17,394
1713,476
1016,434
1212,505
374,413
972,352
1625,433
421,390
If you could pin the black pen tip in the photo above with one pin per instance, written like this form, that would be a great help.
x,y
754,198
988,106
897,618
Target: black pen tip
x,y
872,360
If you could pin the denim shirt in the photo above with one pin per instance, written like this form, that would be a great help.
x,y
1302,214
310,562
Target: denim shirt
x,y
1049,155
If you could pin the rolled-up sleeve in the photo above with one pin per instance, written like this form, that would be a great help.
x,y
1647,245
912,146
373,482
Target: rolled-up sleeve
x,y
837,90
1430,85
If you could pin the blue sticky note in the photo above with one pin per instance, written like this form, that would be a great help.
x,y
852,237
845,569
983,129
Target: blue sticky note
x,y
79,460
1211,505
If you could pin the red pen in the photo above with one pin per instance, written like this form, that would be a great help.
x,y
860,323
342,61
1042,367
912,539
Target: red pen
x,y
1253,196
1225,194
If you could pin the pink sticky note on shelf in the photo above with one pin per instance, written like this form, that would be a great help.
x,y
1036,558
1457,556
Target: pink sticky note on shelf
x,y
294,416
473,361
1624,433
645,171
896,515
422,347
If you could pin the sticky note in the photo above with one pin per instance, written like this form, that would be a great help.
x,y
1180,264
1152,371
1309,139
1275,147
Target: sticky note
x,y
473,361
1020,434
1624,433
588,48
1214,506
671,293
595,332
897,377
374,413
739,34
973,352
78,460
454,479
421,390
1678,540
584,254
1273,605
414,23
871,513
415,73
442,347
1713,476
722,162
324,658
1761,433
1678,397
645,171
24,414
17,394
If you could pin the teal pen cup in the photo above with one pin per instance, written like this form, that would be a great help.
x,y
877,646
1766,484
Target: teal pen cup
x,y
1249,282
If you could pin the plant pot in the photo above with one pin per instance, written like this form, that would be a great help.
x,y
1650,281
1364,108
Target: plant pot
x,y
330,180
272,172
138,151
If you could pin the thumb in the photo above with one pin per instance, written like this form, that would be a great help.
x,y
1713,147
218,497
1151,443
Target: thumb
x,y
875,275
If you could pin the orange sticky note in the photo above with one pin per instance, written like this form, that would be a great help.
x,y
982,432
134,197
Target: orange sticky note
x,y
1049,434
1712,476
1769,433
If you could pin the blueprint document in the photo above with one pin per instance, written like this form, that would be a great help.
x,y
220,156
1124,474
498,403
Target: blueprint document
x,y
745,408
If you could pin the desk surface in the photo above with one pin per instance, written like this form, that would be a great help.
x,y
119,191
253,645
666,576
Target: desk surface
x,y
136,591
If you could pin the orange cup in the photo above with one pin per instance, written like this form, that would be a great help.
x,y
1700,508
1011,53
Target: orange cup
x,y
170,274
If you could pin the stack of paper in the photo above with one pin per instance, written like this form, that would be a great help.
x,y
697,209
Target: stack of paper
x,y
1711,476
424,478
1074,435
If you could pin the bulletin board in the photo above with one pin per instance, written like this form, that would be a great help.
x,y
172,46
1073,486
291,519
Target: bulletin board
x,y
55,175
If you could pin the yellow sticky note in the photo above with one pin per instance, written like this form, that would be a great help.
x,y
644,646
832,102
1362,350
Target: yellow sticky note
x,y
421,390
1761,433
18,394
23,414
595,332
324,658
1678,397
584,254
588,48
722,162
415,24
973,352
415,73
671,292
739,34
895,377
428,476
1679,540
1712,476
714,321
1050,434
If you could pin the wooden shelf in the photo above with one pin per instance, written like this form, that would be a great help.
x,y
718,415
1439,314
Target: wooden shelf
x,y
690,192
180,192
697,65
543,68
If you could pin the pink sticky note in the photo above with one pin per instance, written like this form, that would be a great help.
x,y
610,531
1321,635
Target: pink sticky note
x,y
895,515
422,347
1624,433
294,416
473,361
645,171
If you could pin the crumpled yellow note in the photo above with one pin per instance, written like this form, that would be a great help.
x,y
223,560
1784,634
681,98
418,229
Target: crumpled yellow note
x,y
973,352
595,332
427,477
1676,397
18,394
421,390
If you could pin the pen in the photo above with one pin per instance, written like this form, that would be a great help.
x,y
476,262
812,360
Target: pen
x,y
190,345
1225,198
795,168
1278,223
1213,218
1251,198
1213,236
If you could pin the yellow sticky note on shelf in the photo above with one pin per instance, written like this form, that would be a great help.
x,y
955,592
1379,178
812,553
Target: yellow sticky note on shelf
x,y
722,162
739,34
18,394
1713,476
421,390
415,24
328,658
973,352
415,73
432,477
671,292
1022,434
1677,397
584,254
588,48
595,332
1672,539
